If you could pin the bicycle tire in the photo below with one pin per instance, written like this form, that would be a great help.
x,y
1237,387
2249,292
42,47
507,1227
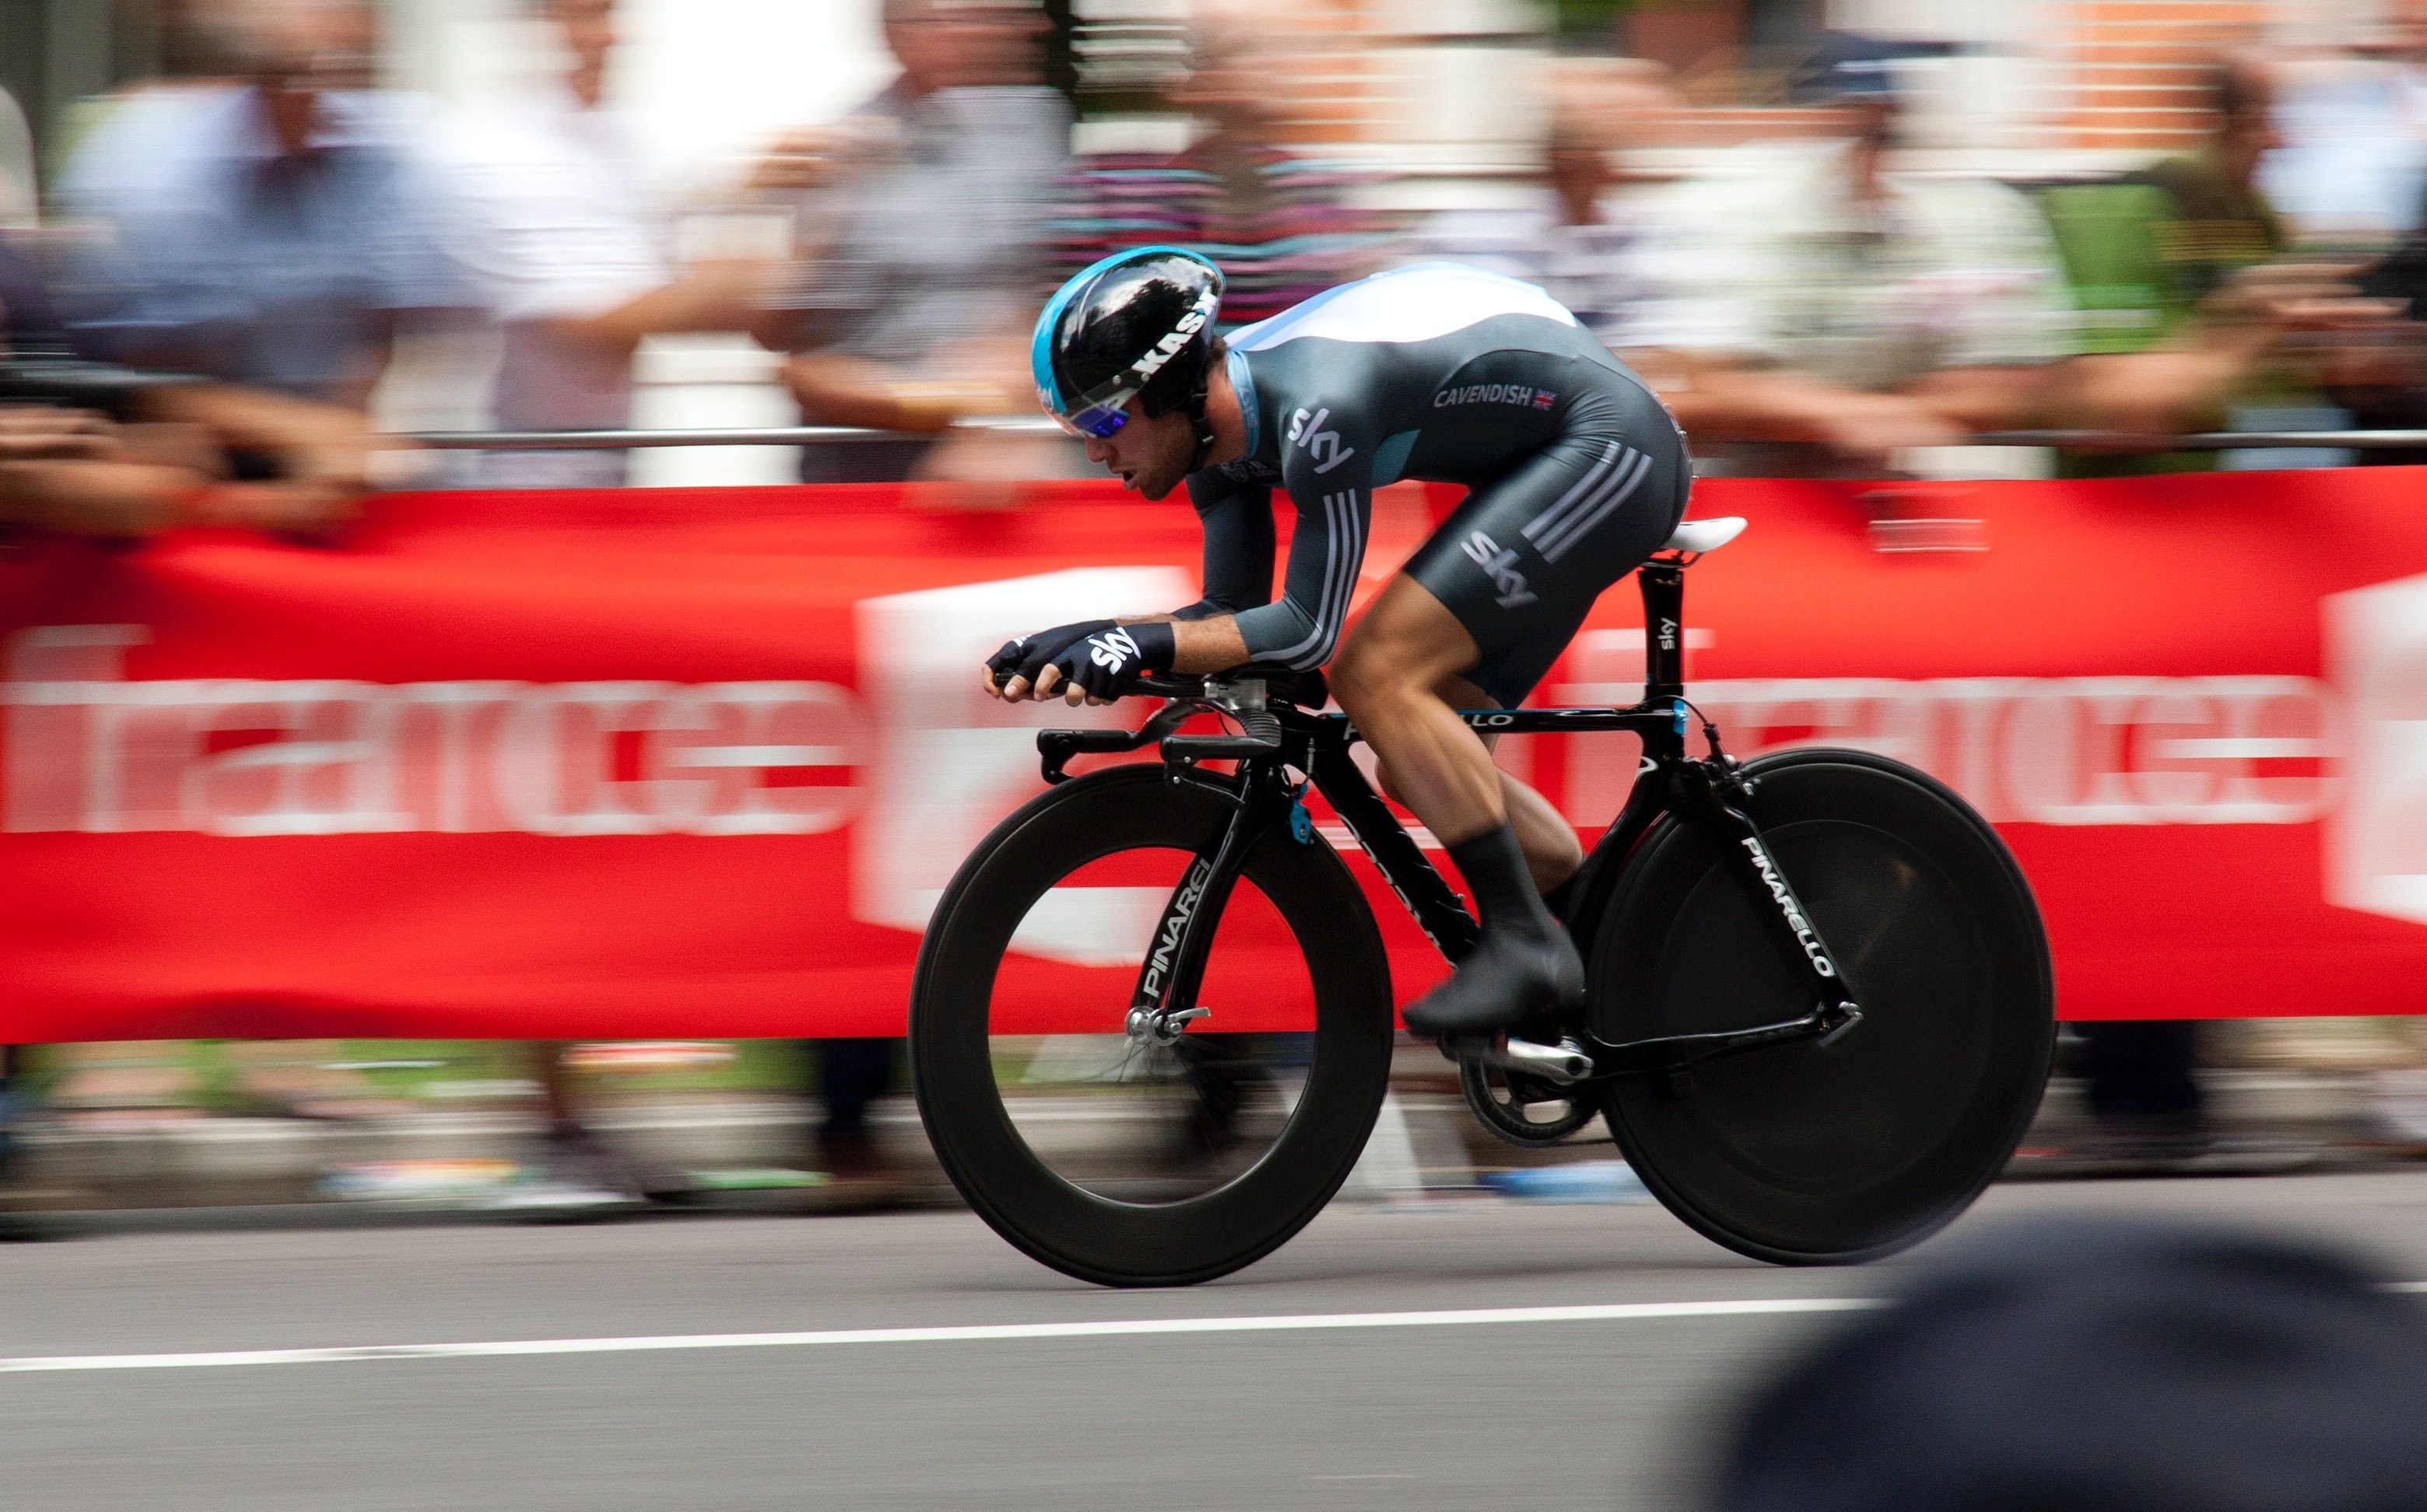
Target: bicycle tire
x,y
1065,1225
1813,1154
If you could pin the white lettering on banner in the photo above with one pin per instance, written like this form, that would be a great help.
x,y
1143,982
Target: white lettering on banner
x,y
88,750
2073,750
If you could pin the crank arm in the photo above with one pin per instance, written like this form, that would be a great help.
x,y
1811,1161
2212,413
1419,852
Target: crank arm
x,y
1673,1053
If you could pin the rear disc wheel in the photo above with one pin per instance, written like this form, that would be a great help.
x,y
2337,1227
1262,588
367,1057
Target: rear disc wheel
x,y
1808,1153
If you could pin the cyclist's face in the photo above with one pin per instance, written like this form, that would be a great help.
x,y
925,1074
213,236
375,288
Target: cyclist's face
x,y
1151,456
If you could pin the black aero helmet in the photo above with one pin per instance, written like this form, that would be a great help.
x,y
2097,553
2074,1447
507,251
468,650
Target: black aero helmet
x,y
1138,323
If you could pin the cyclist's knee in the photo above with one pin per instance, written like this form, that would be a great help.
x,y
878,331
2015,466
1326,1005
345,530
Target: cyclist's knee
x,y
1363,679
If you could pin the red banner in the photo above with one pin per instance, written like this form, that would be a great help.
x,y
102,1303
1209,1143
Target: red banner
x,y
698,763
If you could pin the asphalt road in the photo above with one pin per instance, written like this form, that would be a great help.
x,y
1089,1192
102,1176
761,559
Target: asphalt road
x,y
1607,1412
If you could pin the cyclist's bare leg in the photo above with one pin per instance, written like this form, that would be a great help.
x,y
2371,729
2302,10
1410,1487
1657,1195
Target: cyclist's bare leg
x,y
1552,853
1382,680
1390,678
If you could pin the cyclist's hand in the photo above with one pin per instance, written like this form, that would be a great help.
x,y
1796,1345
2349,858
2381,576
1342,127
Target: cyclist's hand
x,y
1012,672
1108,664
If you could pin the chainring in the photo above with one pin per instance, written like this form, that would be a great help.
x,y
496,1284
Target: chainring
x,y
1511,1105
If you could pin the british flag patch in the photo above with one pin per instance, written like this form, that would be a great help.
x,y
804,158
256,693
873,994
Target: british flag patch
x,y
1543,399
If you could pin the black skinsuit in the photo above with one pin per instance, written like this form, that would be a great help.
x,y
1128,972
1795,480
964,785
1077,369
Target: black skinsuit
x,y
1445,373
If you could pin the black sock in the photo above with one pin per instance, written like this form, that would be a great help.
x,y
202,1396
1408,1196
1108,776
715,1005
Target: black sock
x,y
1495,867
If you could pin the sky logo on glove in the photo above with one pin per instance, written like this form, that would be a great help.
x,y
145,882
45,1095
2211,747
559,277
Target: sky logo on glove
x,y
1113,649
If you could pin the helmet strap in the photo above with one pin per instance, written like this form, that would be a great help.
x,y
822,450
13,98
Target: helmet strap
x,y
1203,427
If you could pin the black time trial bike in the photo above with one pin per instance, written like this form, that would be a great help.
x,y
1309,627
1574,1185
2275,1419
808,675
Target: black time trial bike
x,y
1151,1027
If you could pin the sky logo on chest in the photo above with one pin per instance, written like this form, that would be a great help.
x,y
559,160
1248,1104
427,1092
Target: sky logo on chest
x,y
1540,398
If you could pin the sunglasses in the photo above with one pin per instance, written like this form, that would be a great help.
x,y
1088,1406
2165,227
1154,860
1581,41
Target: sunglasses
x,y
1100,414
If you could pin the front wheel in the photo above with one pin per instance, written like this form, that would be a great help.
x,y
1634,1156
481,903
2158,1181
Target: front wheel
x,y
1819,1153
1118,1160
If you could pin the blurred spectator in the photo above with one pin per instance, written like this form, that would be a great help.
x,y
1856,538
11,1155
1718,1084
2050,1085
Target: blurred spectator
x,y
2144,251
572,250
94,449
1828,316
2185,310
917,230
1572,232
2380,375
63,465
271,232
2178,265
1282,226
2121,1367
2354,116
918,226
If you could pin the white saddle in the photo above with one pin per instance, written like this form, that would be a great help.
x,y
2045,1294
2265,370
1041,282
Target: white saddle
x,y
1699,536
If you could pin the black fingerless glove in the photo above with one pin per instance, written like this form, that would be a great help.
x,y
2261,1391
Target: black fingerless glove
x,y
1026,657
1108,663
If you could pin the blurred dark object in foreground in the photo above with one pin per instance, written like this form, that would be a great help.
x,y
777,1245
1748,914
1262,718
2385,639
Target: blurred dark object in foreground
x,y
2104,1365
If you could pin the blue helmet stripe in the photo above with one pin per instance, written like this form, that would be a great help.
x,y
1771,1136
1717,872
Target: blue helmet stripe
x,y
1040,344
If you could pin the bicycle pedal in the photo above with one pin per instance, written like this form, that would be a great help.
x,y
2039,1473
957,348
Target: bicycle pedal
x,y
1562,1065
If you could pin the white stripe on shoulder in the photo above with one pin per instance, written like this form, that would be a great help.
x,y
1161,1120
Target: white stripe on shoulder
x,y
1413,304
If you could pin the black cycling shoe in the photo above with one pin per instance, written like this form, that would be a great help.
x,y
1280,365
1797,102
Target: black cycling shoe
x,y
1522,965
1511,976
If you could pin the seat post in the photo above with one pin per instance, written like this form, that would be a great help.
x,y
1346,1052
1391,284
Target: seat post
x,y
1664,638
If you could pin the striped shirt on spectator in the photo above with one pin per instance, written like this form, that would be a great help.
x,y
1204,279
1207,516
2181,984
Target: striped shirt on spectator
x,y
1281,227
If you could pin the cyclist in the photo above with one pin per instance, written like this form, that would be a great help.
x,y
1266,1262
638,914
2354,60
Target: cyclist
x,y
1576,474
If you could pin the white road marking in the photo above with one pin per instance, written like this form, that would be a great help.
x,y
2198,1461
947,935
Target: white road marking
x,y
974,1333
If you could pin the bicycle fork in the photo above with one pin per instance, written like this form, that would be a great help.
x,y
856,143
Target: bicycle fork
x,y
1164,1003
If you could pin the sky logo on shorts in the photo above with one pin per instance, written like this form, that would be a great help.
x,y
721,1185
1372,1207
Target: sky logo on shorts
x,y
1499,564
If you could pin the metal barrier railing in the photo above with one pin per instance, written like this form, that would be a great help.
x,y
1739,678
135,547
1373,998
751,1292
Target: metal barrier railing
x,y
800,435
780,436
2208,440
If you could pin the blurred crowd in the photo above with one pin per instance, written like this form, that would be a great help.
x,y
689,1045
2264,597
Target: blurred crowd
x,y
258,240
239,257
